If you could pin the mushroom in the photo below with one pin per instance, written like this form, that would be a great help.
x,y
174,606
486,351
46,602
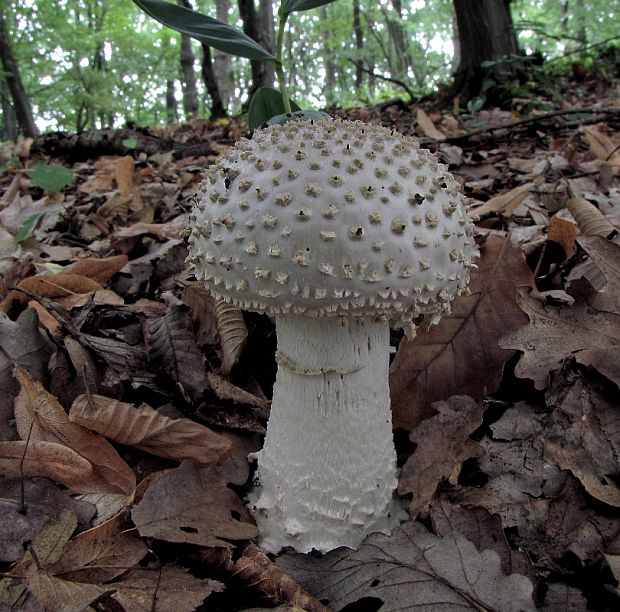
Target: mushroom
x,y
336,229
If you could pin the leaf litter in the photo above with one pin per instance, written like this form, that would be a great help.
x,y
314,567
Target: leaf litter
x,y
132,399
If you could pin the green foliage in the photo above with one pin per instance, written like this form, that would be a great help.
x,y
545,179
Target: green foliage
x,y
267,103
290,6
28,227
205,29
130,143
50,177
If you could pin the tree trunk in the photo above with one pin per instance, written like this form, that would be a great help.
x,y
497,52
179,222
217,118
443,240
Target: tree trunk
x,y
188,78
208,76
267,36
260,72
359,46
486,34
221,65
172,111
21,102
329,89
10,129
393,21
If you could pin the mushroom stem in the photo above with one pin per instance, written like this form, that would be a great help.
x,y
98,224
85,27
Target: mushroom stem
x,y
327,471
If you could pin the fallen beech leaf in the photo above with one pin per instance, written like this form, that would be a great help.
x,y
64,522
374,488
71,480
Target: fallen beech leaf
x,y
443,445
146,429
602,146
173,350
169,588
432,366
202,309
55,461
98,269
412,569
27,345
427,126
101,553
504,204
192,505
39,416
256,571
232,333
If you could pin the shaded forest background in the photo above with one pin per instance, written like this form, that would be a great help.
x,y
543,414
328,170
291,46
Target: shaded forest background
x,y
92,64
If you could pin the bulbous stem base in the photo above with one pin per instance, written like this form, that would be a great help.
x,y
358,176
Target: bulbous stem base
x,y
327,472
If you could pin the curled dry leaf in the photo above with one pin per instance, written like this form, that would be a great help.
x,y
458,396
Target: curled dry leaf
x,y
563,233
226,391
146,429
50,459
589,218
256,571
602,146
39,416
412,569
427,126
202,310
443,445
98,269
193,505
432,367
233,333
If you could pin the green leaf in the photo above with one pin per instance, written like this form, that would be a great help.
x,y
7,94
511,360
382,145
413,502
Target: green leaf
x,y
289,6
302,114
130,143
265,104
50,177
205,29
28,227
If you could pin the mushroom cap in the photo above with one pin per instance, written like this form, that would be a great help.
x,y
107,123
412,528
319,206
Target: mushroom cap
x,y
332,217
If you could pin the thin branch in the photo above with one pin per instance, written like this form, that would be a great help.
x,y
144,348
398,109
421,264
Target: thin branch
x,y
398,82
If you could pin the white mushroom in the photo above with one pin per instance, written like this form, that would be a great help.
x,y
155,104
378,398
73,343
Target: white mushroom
x,y
365,246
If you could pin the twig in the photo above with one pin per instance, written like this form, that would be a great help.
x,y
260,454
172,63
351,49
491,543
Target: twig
x,y
520,122
398,82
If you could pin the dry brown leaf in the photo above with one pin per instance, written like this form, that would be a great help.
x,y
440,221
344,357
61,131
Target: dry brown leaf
x,y
146,429
589,218
202,309
98,269
255,570
504,204
427,126
233,333
588,331
411,570
192,505
163,231
602,146
563,233
101,553
50,286
226,391
461,354
442,445
47,320
123,173
160,590
39,416
50,459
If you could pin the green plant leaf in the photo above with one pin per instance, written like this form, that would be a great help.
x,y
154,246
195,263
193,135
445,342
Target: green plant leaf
x,y
28,227
130,143
50,177
205,29
302,114
266,103
289,6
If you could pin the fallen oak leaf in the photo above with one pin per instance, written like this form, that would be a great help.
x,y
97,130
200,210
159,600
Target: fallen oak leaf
x,y
146,429
39,416
443,444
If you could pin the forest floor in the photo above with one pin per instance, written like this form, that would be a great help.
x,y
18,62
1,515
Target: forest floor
x,y
506,414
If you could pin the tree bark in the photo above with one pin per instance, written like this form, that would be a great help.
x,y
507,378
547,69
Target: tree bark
x,y
221,64
10,129
218,109
485,34
188,78
172,111
261,74
329,89
21,102
359,46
